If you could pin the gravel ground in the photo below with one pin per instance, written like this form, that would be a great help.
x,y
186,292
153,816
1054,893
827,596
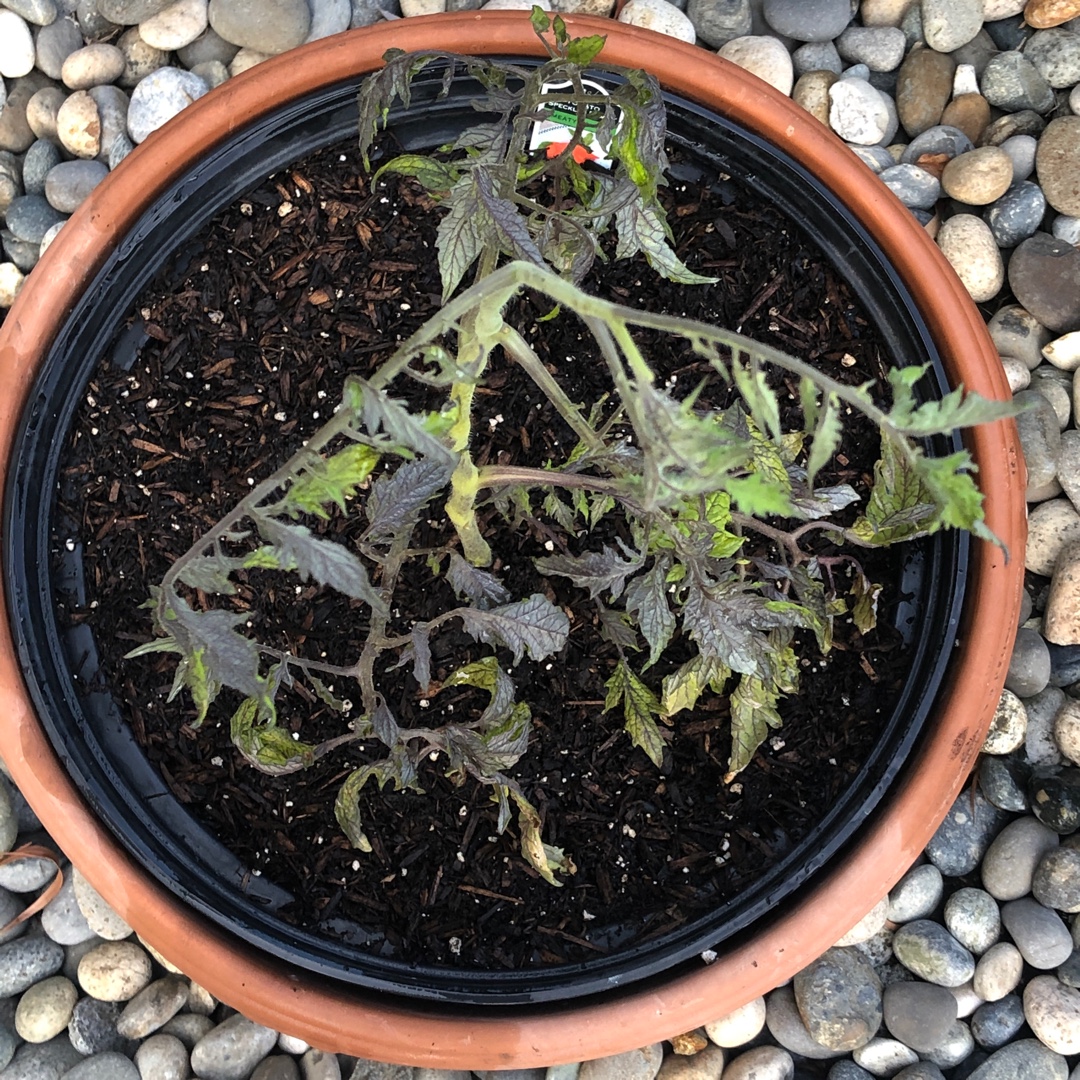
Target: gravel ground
x,y
970,112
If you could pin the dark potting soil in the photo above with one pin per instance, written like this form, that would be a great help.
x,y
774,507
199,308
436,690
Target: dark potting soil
x,y
231,359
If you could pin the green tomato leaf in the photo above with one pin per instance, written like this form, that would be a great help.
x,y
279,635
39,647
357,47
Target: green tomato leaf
x,y
826,439
584,50
639,705
900,507
683,687
267,747
641,227
331,481
864,610
544,859
434,176
956,409
460,235
486,674
398,767
753,712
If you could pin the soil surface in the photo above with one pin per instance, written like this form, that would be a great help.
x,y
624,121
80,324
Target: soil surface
x,y
231,359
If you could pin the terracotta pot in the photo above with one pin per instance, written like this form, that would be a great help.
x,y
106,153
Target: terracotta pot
x,y
378,1026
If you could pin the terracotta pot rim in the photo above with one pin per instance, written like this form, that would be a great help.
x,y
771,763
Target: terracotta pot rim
x,y
414,1034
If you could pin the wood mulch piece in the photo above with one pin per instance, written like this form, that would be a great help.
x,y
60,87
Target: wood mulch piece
x,y
242,345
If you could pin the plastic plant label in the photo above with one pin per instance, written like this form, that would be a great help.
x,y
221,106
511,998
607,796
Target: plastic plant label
x,y
554,131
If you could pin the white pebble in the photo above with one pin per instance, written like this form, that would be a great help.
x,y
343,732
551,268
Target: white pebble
x,y
660,17
11,280
764,57
1064,352
16,46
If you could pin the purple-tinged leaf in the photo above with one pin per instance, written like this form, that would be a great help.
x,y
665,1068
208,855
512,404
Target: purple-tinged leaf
x,y
534,625
324,561
595,570
471,583
647,602
396,498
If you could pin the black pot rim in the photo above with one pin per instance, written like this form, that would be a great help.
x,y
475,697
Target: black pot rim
x,y
89,735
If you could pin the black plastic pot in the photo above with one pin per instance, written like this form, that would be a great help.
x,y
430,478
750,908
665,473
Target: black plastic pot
x,y
89,733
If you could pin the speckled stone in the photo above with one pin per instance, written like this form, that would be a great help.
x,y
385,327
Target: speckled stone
x,y
45,1009
1012,83
811,92
998,971
99,914
139,58
1056,386
26,961
839,999
972,917
1055,800
1040,438
43,1061
1061,621
1064,664
114,971
969,245
787,1028
1017,214
1042,709
817,56
92,65
916,894
1057,880
1009,723
78,125
928,950
963,837
1016,332
760,1063
881,48
232,1049
92,1029
885,1057
719,21
912,185
764,57
949,24
1053,1013
152,1007
159,97
1004,782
